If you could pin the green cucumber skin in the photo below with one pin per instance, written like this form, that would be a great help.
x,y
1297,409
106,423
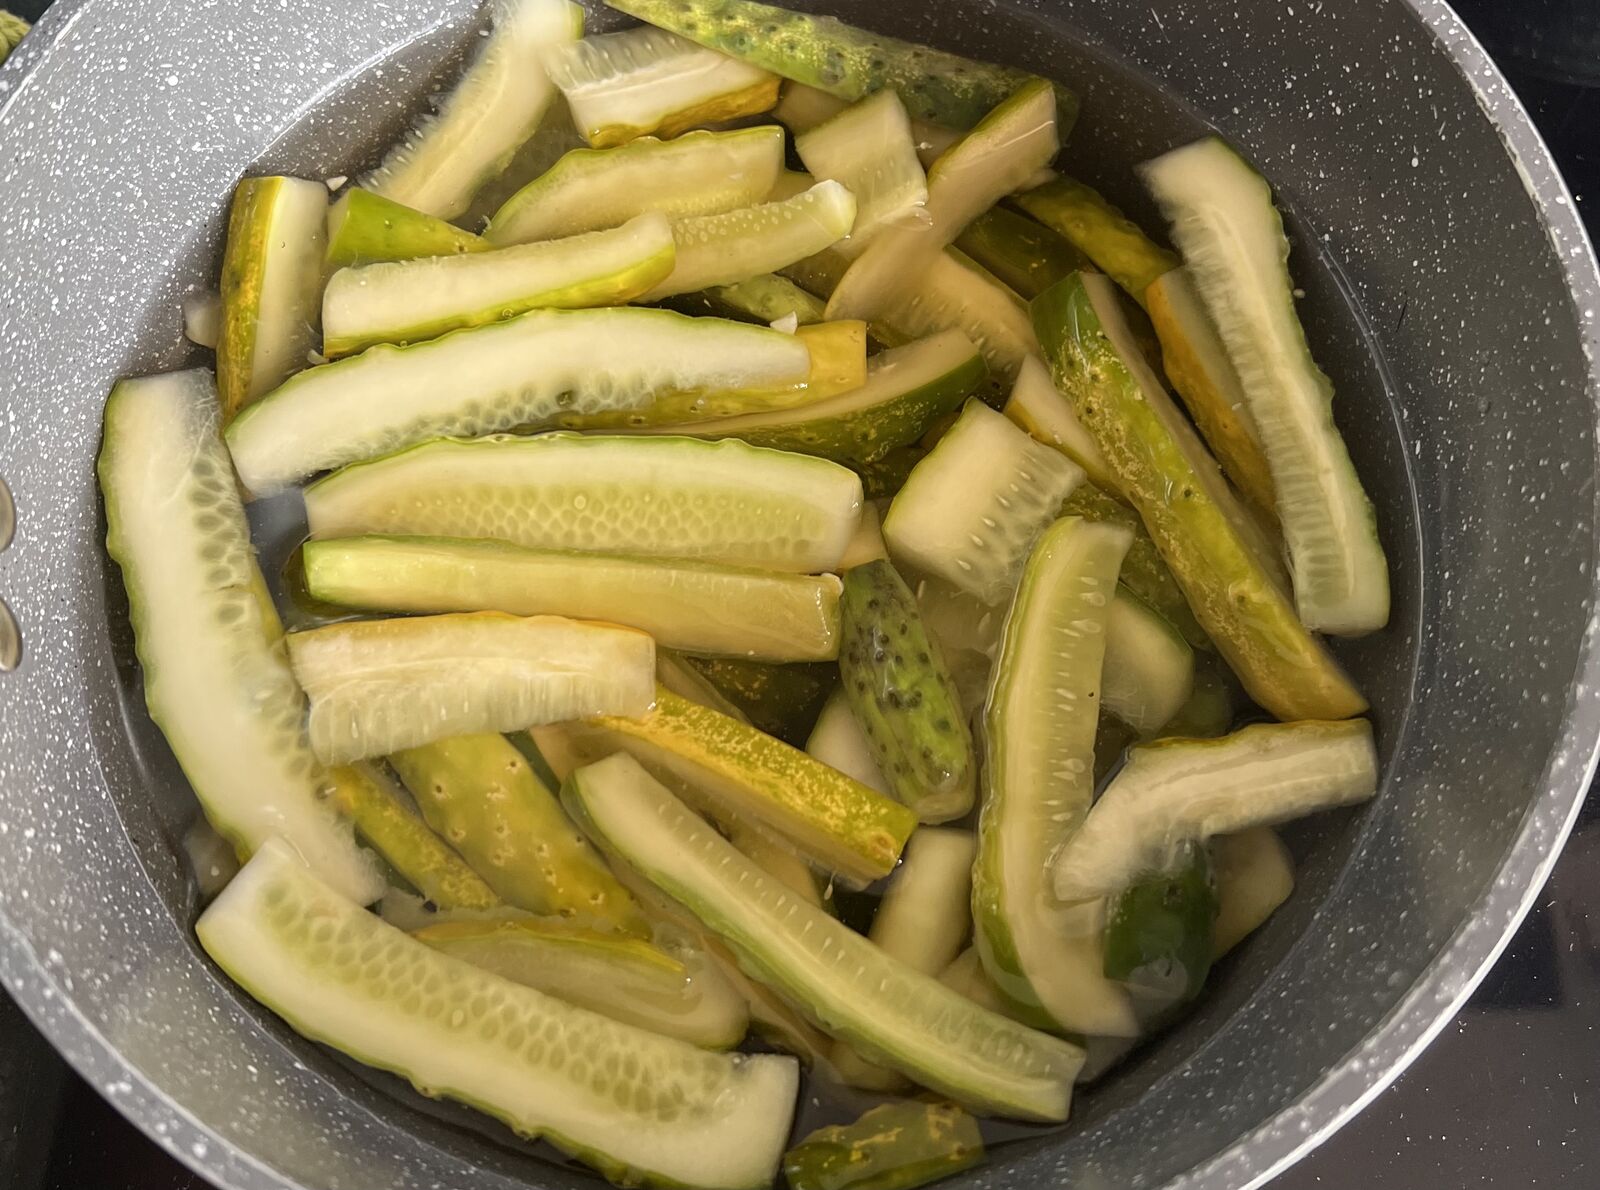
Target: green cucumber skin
x,y
1116,244
895,1146
366,228
781,700
845,61
902,695
764,298
1163,925
1021,252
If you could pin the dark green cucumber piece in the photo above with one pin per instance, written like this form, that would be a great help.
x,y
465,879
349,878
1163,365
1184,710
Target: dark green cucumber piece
x,y
1022,252
901,693
781,700
1158,931
895,1146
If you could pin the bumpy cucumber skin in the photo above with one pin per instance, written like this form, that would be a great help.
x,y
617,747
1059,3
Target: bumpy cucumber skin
x,y
366,228
781,700
1235,599
842,60
1160,928
903,696
895,1146
1115,243
1021,252
480,795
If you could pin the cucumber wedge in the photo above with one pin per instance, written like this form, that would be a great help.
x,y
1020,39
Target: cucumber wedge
x,y
1116,244
621,978
521,372
207,637
669,497
867,544
781,700
1206,537
684,680
495,107
479,793
838,742
1173,791
926,916
802,108
742,775
1040,734
965,974
366,228
1022,252
1212,705
1039,407
906,390
888,1011
377,686
1232,236
971,510
737,245
639,1107
895,1146
684,605
1149,667
1255,875
869,148
202,317
410,300
384,819
1158,933
271,280
767,298
699,173
955,293
842,60
620,86
1008,146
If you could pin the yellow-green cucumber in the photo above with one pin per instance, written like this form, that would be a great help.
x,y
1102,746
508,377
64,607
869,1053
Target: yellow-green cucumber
x,y
1148,671
405,301
867,544
1022,252
521,372
699,606
802,108
639,1107
721,502
271,284
1232,237
1174,791
377,686
1040,408
207,638
698,173
890,1012
971,510
481,796
496,106
1212,546
366,228
767,297
646,80
1115,244
894,1146
1255,875
1039,731
741,774
868,148
838,742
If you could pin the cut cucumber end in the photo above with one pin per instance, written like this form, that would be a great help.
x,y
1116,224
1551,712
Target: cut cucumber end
x,y
366,228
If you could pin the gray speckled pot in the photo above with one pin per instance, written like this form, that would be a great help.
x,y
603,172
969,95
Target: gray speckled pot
x,y
1449,291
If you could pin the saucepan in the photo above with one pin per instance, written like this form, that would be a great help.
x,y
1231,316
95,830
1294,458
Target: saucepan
x,y
1449,291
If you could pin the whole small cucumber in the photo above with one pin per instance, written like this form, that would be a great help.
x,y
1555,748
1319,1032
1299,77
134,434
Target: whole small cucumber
x,y
901,693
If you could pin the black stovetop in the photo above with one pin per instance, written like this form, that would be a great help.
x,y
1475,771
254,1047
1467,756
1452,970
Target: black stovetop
x,y
1507,1097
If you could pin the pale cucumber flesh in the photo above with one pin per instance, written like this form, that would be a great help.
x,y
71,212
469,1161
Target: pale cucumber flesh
x,y
1255,874
1149,667
869,149
838,742
1040,408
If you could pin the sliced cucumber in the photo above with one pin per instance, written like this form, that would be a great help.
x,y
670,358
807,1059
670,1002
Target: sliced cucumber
x,y
202,317
1149,667
207,637
385,820
641,81
1205,536
766,298
481,795
271,280
621,978
902,696
1040,734
737,245
1039,407
365,228
684,605
684,680
1022,252
1232,236
971,510
1197,365
906,389
895,1146
888,1011
869,148
843,60
968,634
801,108
1211,707
1009,145
517,373
699,173
867,544
1255,874
926,915
1173,791
671,497
1158,933
838,742
409,300
637,1106
743,775
1116,244
781,700
377,686
476,130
